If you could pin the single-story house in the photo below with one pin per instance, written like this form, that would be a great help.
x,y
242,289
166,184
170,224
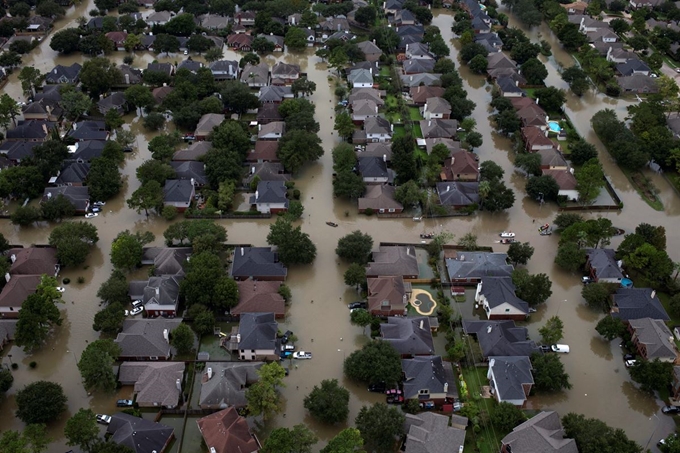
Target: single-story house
x,y
146,339
394,261
458,194
33,261
226,432
380,198
461,166
224,384
257,263
566,182
501,338
157,384
471,267
206,124
166,260
139,434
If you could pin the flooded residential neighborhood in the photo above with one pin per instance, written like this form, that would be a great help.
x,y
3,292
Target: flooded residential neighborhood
x,y
601,386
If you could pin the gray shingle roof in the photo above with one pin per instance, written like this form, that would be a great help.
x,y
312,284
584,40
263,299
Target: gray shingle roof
x,y
258,331
636,303
166,260
177,190
377,125
155,382
656,336
501,338
542,433
457,193
360,76
424,372
414,80
256,262
409,336
478,265
510,373
227,386
417,66
604,263
372,167
73,173
439,128
60,72
501,290
270,192
142,436
144,337
189,170
393,261
430,433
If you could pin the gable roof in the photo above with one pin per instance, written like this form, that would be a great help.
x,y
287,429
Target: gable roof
x,y
60,72
155,382
500,338
194,152
30,130
632,66
259,297
451,144
364,107
409,336
552,157
424,372
145,337
17,289
429,432
256,262
255,73
501,290
227,432
18,150
285,70
269,111
274,93
86,150
372,167
638,82
438,128
141,435
360,76
369,48
270,192
378,149
189,170
604,263
420,94
79,196
499,60
510,374
74,172
417,65
437,105
656,336
115,100
393,261
158,293
377,125
415,80
227,386
266,171
365,93
178,190
258,331
208,122
275,127
457,193
535,136
636,303
565,179
379,196
542,433
478,264
461,162
166,260
33,261
386,289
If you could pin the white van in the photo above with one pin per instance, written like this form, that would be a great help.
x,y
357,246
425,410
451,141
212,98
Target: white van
x,y
563,348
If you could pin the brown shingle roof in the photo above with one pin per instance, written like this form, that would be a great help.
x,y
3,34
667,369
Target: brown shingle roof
x,y
227,432
534,136
259,297
18,289
264,150
390,289
564,178
462,162
379,197
33,261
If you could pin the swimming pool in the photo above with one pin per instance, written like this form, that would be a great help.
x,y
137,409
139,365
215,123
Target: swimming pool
x,y
554,126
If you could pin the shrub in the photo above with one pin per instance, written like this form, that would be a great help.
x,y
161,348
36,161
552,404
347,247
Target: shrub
x,y
81,279
15,366
66,281
169,212
33,364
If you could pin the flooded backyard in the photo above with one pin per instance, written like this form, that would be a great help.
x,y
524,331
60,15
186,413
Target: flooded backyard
x,y
318,314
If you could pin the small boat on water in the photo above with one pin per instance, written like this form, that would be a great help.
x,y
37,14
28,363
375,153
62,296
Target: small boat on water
x,y
426,235
618,231
507,234
545,232
417,219
507,241
544,227
332,224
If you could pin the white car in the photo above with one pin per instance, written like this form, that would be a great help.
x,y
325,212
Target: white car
x,y
103,419
137,303
563,348
302,355
630,363
137,310
61,289
90,215
99,203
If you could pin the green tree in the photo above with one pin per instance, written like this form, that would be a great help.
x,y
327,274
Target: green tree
x,y
595,436
577,80
6,380
294,246
329,402
96,365
549,374
82,431
534,289
597,295
75,104
263,397
109,320
154,121
57,208
104,179
66,41
610,327
298,439
355,247
132,42
297,147
166,43
567,219
355,275
303,86
30,78
73,241
155,170
213,54
582,152
126,249
570,257
98,75
505,416
204,322
348,184
182,339
181,25
114,289
148,196
652,375
376,362
187,231
507,122
542,188
529,162
344,125
360,317
199,43
113,120
385,37
551,99
346,441
469,51
589,181
32,439
520,253
365,15
409,194
295,39
38,315
206,284
552,331
40,402
139,96
478,64
380,426
534,71
225,195
490,171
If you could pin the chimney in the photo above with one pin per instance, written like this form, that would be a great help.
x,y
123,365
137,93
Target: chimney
x,y
492,362
166,335
517,83
422,321
446,387
384,157
238,337
7,277
257,195
127,79
429,123
210,373
241,251
49,195
165,84
158,292
14,257
448,187
193,182
653,294
488,330
44,128
178,383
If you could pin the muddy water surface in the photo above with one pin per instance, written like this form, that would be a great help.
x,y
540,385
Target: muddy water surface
x,y
318,314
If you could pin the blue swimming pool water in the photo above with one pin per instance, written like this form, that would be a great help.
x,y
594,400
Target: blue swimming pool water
x,y
554,126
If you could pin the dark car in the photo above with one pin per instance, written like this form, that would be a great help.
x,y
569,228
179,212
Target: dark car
x,y
286,336
378,387
670,409
358,304
545,348
629,357
396,399
124,403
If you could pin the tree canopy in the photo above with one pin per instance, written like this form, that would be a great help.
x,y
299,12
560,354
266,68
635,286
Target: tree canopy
x,y
380,425
328,402
96,365
40,402
595,436
376,362
263,397
294,246
73,241
298,439
355,247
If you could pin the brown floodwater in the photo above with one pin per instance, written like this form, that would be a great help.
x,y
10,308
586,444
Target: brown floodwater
x,y
318,314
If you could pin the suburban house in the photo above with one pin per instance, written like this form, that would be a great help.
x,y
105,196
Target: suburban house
x,y
146,339
159,94
195,151
542,433
395,261
255,75
117,38
64,74
435,108
380,198
257,263
633,66
190,171
501,338
360,78
15,292
653,339
362,109
115,101
264,151
536,139
227,432
458,194
373,170
166,260
190,65
179,193
89,130
417,66
426,379
163,68
224,384
157,384
139,434
255,339
85,151
284,73
511,379
602,266
409,81
274,94
452,145
270,197
509,87
240,42
367,94
370,50
267,113
271,131
378,129
419,51
638,83
159,18
33,261
72,174
636,303
533,115
409,336
439,128
566,182
497,296
224,69
78,196
245,18
206,124
259,297
461,166
420,94
552,159
16,151
266,171
428,432
159,295
388,296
